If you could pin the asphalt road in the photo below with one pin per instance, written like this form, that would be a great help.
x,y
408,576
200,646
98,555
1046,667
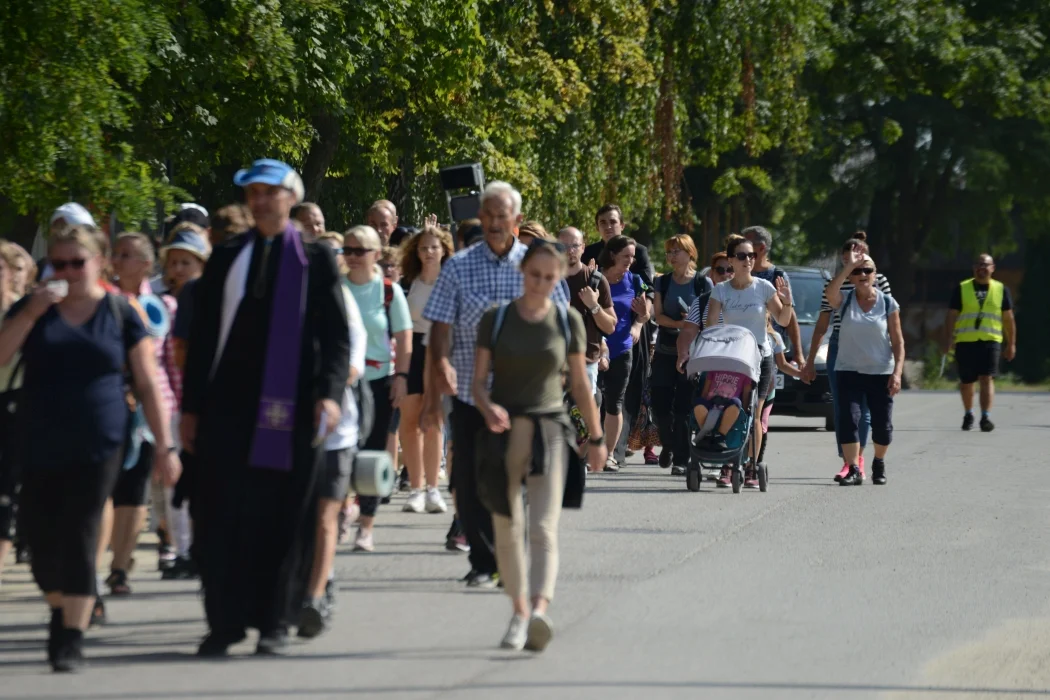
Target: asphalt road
x,y
934,586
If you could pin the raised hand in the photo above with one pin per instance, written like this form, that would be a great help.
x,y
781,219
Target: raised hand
x,y
783,291
431,220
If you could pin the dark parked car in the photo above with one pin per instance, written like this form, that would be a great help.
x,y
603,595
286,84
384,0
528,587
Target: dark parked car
x,y
795,398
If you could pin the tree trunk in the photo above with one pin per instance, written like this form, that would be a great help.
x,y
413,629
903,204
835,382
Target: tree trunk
x,y
322,152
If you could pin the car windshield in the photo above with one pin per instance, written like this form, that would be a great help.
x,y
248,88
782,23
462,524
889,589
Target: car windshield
x,y
807,291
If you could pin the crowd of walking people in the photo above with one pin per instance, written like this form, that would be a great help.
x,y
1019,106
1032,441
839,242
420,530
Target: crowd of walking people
x,y
233,377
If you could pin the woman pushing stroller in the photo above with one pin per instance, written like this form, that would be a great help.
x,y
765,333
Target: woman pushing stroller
x,y
744,301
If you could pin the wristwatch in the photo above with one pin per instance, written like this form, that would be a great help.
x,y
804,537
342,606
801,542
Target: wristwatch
x,y
595,309
597,441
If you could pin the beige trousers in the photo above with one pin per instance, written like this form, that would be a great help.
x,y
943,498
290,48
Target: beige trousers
x,y
545,495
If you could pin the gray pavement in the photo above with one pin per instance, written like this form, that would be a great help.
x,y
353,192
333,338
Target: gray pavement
x,y
937,585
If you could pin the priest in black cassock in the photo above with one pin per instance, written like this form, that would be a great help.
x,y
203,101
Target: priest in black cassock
x,y
266,365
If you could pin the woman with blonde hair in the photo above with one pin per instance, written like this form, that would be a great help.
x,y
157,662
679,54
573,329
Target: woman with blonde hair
x,y
421,259
20,266
133,261
388,323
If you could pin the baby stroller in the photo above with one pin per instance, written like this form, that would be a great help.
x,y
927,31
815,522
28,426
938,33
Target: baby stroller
x,y
728,363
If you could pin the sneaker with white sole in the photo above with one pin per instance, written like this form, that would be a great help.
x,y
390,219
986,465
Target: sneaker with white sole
x,y
363,542
416,502
517,634
541,630
435,503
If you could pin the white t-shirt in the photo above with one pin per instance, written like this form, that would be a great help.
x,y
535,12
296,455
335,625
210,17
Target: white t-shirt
x,y
777,342
345,434
418,294
747,308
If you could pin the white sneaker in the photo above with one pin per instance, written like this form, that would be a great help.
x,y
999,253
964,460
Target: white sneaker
x,y
363,542
415,502
435,503
517,633
442,475
540,632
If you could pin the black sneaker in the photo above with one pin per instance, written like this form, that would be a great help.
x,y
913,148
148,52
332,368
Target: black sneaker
x,y
69,653
402,480
665,458
312,621
182,570
878,472
217,645
678,470
967,422
853,478
987,425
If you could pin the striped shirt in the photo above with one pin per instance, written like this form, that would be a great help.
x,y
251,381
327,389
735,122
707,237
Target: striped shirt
x,y
836,319
471,282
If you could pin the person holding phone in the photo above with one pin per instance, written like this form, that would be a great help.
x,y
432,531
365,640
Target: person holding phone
x,y
590,295
632,309
76,340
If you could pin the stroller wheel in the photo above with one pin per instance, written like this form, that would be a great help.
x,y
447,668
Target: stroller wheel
x,y
737,479
693,478
763,478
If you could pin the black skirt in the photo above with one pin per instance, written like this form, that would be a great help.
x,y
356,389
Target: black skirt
x,y
416,368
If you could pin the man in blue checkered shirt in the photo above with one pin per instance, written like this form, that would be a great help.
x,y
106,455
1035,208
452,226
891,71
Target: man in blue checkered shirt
x,y
471,282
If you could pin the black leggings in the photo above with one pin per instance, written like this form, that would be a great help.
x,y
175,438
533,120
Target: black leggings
x,y
62,512
384,412
854,387
671,394
615,382
467,422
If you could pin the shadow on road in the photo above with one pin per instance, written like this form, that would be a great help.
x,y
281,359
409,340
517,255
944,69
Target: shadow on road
x,y
538,686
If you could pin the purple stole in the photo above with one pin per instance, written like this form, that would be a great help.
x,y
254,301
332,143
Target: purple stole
x,y
272,445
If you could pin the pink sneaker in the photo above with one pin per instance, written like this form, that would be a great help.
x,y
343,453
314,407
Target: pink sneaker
x,y
750,479
725,479
650,456
860,465
842,473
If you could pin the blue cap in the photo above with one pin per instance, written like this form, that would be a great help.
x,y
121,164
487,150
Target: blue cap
x,y
190,241
272,172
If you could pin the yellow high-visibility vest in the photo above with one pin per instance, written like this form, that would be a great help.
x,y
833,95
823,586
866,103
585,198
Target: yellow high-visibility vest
x,y
977,322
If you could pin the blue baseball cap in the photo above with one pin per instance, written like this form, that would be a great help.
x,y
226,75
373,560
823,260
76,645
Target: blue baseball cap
x,y
272,172
190,241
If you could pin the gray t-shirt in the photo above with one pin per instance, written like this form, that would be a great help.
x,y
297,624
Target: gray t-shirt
x,y
747,308
864,337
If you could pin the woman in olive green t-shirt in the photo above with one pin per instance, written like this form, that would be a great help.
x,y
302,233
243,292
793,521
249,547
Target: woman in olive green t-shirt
x,y
527,363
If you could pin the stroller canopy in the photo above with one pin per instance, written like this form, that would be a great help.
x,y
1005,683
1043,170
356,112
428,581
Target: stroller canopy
x,y
726,349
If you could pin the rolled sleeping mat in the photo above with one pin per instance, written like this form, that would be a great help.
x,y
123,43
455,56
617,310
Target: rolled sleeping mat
x,y
373,473
158,319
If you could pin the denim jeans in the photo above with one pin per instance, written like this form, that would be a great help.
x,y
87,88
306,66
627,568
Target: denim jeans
x,y
865,415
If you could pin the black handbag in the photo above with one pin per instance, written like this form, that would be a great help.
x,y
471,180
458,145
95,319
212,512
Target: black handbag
x,y
575,479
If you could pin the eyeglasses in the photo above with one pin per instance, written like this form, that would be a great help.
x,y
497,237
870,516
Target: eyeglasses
x,y
980,266
863,271
387,266
722,270
573,246
357,252
745,256
75,263
674,251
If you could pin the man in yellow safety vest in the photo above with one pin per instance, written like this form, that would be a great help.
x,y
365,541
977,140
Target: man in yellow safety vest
x,y
980,316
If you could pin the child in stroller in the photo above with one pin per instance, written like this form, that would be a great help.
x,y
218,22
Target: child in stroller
x,y
727,391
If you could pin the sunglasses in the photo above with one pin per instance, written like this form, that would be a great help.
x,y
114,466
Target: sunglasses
x,y
745,256
75,263
722,270
357,252
863,271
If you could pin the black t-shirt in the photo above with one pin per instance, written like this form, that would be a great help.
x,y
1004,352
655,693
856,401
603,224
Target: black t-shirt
x,y
981,290
74,385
